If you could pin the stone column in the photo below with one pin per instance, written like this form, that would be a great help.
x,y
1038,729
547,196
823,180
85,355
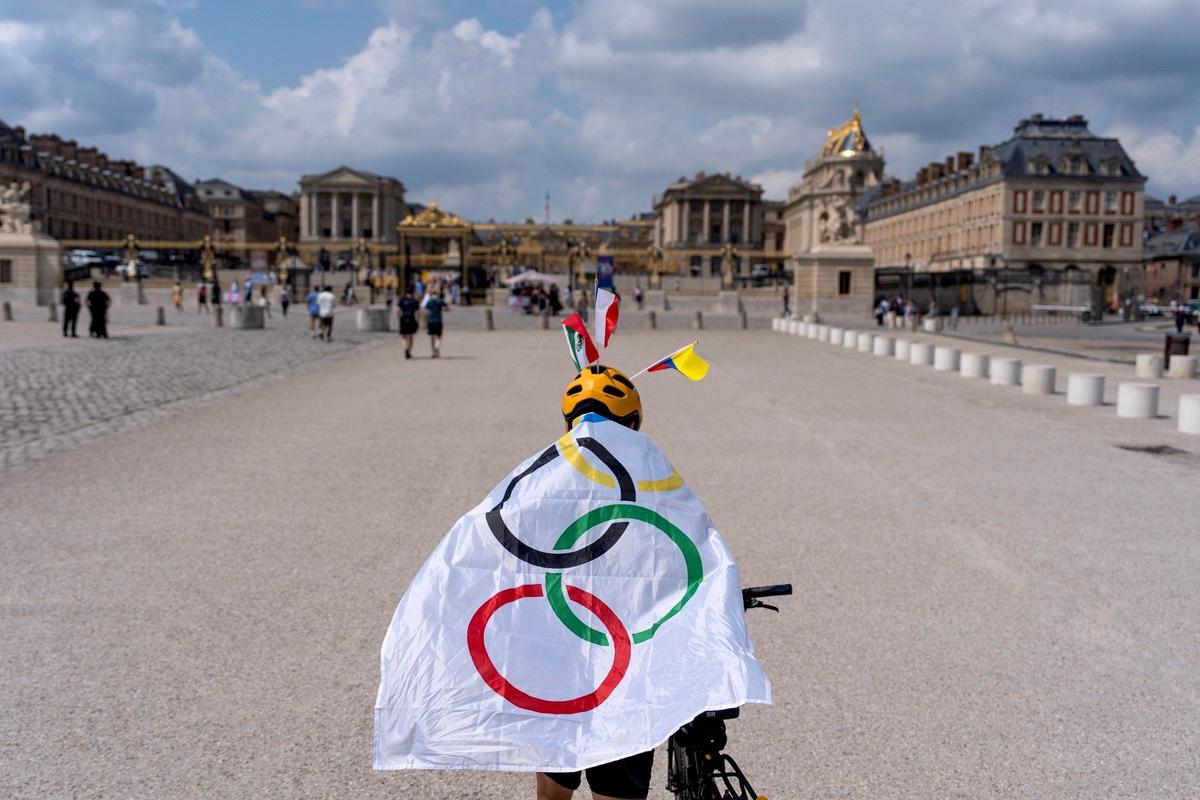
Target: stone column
x,y
725,221
704,237
335,227
314,208
375,232
354,226
682,208
304,220
746,237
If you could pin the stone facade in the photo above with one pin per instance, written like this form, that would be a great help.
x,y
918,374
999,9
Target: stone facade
x,y
1052,198
241,216
1173,264
697,219
79,193
339,207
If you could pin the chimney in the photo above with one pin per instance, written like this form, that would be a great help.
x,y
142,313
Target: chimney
x,y
964,160
935,171
156,177
69,149
1170,199
984,152
87,155
949,165
102,161
46,141
20,131
922,176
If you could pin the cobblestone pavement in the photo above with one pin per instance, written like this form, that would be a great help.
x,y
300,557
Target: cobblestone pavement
x,y
58,397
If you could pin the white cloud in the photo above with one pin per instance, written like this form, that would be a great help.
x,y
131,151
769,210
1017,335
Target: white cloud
x,y
1172,159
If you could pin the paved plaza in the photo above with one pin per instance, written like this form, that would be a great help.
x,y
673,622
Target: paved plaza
x,y
995,596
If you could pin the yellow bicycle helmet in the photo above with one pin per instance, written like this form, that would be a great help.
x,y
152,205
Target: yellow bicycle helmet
x,y
605,391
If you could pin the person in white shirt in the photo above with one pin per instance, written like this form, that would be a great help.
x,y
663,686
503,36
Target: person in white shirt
x,y
325,303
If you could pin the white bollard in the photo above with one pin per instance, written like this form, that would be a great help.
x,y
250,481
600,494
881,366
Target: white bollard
x,y
1085,389
903,350
1189,413
795,327
776,322
1182,367
922,354
835,335
865,342
823,333
1005,371
1038,379
810,330
1149,365
850,339
1137,400
974,365
884,346
945,359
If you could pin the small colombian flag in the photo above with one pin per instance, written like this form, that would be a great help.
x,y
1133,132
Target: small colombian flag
x,y
685,360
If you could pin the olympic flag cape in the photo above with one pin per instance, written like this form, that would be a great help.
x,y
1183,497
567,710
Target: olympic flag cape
x,y
581,613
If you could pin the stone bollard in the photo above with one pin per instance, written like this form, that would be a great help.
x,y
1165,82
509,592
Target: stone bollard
x,y
836,334
903,349
489,321
219,317
850,339
1137,400
1182,367
921,355
373,319
974,365
743,320
884,346
1038,379
945,359
141,295
1005,371
698,324
53,317
545,320
866,341
795,327
1189,413
652,321
822,333
774,323
160,316
811,330
932,324
1085,389
7,311
1149,365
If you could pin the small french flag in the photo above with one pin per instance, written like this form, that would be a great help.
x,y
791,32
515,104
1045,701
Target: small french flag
x,y
606,316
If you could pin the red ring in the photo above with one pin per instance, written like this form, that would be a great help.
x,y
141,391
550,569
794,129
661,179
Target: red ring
x,y
500,685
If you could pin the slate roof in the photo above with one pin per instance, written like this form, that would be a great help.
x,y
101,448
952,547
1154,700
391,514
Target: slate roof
x,y
1177,243
1056,139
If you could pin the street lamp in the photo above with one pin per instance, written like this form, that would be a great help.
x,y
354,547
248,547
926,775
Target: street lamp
x,y
578,251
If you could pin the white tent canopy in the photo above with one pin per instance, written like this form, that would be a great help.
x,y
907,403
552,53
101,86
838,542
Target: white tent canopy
x,y
531,276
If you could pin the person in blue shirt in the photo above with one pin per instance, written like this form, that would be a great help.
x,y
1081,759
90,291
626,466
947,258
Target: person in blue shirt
x,y
434,305
314,311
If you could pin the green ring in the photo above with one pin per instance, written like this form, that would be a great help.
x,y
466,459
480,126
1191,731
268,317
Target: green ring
x,y
598,516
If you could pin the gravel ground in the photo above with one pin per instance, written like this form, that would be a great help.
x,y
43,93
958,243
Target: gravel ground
x,y
993,598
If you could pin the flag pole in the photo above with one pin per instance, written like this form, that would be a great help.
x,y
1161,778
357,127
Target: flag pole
x,y
668,355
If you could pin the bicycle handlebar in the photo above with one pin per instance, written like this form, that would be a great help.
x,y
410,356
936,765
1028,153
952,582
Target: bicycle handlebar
x,y
751,594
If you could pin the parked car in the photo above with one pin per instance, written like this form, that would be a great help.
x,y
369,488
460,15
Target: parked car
x,y
1192,307
1149,309
84,258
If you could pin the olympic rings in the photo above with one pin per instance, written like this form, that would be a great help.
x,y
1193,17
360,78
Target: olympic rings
x,y
691,558
501,686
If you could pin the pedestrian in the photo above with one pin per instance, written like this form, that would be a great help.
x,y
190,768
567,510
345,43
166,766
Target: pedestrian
x,y
1180,318
201,297
98,302
71,304
248,294
314,312
264,302
285,299
325,304
389,297
434,305
214,295
234,295
408,320
177,297
787,301
637,294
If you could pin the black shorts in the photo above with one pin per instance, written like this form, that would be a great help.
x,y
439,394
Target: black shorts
x,y
408,325
435,328
626,778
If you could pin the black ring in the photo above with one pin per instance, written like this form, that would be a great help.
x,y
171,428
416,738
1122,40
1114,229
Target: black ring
x,y
546,560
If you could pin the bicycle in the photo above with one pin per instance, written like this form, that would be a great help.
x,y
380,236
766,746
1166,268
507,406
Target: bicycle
x,y
696,767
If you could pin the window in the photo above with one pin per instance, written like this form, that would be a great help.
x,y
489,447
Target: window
x,y
1039,201
1072,234
1073,201
844,282
1110,202
1108,235
6,270
1035,235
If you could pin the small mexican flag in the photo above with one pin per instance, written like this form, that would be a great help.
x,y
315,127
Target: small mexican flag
x,y
583,351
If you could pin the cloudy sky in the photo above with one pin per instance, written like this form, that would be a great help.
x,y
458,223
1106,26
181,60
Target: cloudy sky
x,y
484,107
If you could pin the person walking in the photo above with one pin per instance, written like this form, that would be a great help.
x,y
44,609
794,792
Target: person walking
x,y
285,299
637,294
201,298
98,302
177,297
389,297
314,312
214,295
71,305
408,320
434,305
1180,318
325,304
264,302
787,301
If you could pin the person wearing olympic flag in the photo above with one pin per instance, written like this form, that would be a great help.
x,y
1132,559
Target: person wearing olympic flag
x,y
573,620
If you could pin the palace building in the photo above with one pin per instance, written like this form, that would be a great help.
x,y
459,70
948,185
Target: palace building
x,y
1054,199
241,216
344,205
697,218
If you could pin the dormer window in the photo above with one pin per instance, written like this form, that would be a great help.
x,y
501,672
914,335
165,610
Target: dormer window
x,y
1038,165
1110,166
1074,164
